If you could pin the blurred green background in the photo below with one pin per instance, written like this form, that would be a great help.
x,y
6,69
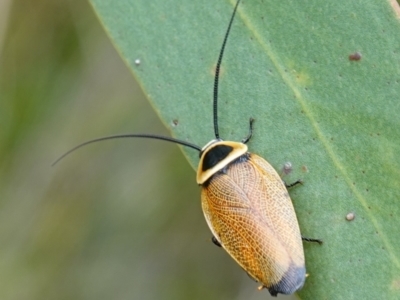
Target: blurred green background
x,y
115,220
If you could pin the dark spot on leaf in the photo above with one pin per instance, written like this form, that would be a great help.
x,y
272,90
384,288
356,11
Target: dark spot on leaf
x,y
356,56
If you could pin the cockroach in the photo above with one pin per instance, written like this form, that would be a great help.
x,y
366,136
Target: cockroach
x,y
246,204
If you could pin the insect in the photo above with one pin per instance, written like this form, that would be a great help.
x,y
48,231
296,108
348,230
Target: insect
x,y
246,204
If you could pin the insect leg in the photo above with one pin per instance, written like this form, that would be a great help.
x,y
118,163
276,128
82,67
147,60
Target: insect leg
x,y
311,240
248,137
215,241
299,181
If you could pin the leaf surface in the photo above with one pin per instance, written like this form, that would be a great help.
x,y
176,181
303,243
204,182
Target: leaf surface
x,y
290,65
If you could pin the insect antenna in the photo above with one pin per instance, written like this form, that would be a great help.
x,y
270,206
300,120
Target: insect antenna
x,y
164,138
118,136
217,69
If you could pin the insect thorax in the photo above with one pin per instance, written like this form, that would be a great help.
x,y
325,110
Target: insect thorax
x,y
216,155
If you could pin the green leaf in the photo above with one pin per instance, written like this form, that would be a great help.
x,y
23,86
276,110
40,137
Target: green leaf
x,y
287,64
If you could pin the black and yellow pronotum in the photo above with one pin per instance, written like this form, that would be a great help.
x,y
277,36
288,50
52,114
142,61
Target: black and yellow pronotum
x,y
246,205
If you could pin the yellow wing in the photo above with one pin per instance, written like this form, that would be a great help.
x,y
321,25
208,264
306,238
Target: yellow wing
x,y
248,209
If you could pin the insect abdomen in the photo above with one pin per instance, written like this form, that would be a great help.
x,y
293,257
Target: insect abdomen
x,y
248,209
